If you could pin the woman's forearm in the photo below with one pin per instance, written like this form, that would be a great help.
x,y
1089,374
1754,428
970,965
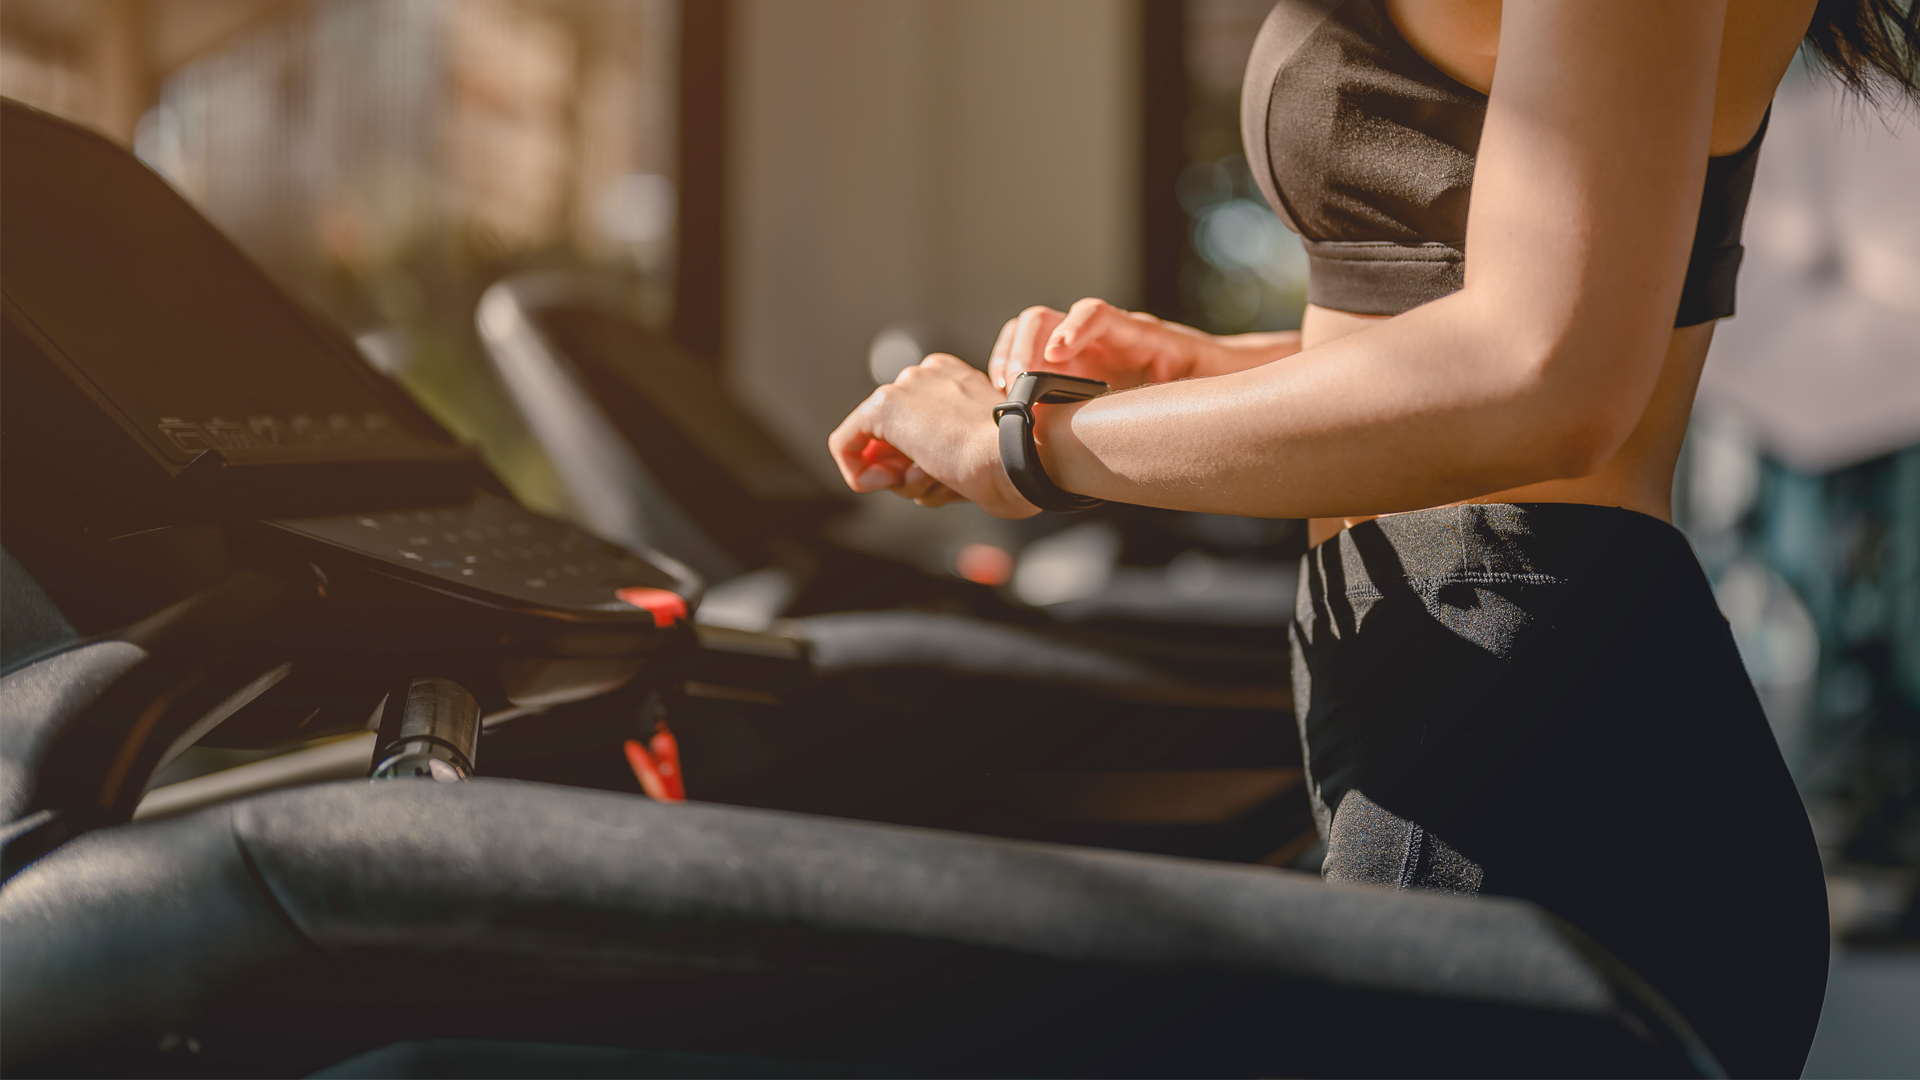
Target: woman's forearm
x,y
1431,407
1229,353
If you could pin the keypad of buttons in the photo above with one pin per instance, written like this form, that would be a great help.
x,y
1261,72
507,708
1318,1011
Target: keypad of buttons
x,y
498,546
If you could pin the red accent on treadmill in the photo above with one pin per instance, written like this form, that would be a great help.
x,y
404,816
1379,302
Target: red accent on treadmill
x,y
666,760
666,606
647,772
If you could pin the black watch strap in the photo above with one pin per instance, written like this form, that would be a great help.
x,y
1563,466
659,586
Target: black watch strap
x,y
1019,456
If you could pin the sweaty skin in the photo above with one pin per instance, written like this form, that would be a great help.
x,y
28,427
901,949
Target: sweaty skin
x,y
1553,376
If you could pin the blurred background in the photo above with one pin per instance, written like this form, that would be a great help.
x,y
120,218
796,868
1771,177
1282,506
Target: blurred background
x,y
802,196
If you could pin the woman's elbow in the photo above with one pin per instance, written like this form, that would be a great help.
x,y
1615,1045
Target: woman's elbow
x,y
1575,425
1575,380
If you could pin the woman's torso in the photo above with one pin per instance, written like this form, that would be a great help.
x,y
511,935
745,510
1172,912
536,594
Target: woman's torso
x,y
1460,38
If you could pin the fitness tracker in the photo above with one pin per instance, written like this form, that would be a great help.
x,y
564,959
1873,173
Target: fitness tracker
x,y
1017,453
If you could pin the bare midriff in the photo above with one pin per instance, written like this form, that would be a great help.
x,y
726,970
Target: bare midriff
x,y
1638,477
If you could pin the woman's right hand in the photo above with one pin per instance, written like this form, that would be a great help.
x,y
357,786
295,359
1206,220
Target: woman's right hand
x,y
1096,340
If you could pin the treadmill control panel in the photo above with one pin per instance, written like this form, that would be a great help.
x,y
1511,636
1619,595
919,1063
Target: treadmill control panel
x,y
175,333
494,546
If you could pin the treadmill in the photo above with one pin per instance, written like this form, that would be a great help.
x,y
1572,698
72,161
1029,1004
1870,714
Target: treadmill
x,y
217,520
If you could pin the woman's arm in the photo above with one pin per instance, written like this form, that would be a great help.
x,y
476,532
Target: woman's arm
x,y
1123,348
1586,189
1099,341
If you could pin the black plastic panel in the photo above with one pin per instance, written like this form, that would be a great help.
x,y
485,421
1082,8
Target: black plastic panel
x,y
495,547
129,288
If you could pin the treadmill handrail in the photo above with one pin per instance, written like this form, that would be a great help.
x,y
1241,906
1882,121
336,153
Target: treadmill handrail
x,y
502,867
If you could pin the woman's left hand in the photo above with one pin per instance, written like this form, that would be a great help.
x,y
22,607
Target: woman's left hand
x,y
929,436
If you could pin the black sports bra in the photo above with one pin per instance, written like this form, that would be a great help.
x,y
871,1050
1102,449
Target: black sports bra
x,y
1367,150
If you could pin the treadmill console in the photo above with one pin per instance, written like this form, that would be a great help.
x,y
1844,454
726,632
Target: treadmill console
x,y
178,337
494,548
173,418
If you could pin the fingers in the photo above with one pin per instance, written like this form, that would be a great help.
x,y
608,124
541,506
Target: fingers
x,y
997,360
938,408
879,450
945,364
925,491
1089,320
1030,331
862,469
914,483
882,453
940,495
947,368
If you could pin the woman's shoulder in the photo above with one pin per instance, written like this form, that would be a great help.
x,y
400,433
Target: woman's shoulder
x,y
1462,39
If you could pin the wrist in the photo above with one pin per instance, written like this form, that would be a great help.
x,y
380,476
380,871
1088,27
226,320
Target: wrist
x,y
1194,353
1228,353
1017,421
1007,502
1055,445
1187,358
1262,346
1203,354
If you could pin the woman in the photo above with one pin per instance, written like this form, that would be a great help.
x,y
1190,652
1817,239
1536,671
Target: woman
x,y
1516,682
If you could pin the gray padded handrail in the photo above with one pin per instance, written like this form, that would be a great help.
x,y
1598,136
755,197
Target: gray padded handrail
x,y
139,926
38,699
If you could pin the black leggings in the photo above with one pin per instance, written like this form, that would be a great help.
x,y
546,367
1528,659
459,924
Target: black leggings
x,y
1543,701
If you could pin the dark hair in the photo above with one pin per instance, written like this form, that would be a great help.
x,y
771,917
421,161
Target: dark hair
x,y
1872,46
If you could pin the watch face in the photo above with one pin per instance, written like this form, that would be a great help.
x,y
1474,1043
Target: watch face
x,y
1073,380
